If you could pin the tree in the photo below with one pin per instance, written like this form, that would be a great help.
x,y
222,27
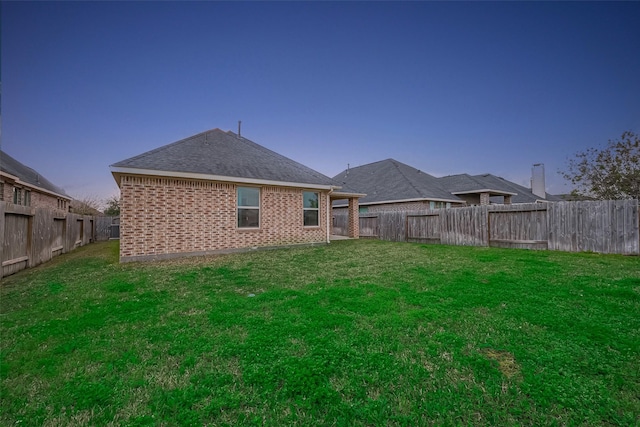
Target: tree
x,y
610,173
85,205
112,206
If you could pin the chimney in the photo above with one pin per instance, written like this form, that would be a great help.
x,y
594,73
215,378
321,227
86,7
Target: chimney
x,y
538,187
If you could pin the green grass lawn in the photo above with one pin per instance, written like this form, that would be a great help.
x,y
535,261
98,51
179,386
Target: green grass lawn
x,y
357,333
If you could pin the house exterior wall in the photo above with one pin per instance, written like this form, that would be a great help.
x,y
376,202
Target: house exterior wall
x,y
471,199
165,217
37,199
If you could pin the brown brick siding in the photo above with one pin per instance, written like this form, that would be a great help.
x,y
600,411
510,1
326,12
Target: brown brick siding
x,y
162,216
38,199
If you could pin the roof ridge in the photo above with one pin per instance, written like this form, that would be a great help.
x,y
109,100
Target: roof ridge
x,y
395,164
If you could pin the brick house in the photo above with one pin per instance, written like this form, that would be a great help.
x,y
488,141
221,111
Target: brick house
x,y
217,192
22,185
391,185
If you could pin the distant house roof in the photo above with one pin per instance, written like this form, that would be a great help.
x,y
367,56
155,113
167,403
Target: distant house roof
x,y
390,181
523,194
225,156
467,184
28,176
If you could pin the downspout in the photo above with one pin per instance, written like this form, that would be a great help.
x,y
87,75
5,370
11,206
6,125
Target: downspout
x,y
329,214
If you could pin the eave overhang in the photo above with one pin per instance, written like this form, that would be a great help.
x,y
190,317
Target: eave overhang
x,y
33,187
384,202
486,190
117,172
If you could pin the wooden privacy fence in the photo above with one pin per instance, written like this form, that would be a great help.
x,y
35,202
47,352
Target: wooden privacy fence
x,y
32,236
598,226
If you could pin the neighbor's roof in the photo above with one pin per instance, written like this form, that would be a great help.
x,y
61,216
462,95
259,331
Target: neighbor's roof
x,y
392,181
466,184
524,194
27,175
220,155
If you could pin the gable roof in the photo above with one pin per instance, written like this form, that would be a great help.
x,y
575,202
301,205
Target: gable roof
x,y
390,181
28,176
225,156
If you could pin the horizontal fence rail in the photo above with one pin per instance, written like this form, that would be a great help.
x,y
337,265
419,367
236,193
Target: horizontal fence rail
x,y
32,236
598,226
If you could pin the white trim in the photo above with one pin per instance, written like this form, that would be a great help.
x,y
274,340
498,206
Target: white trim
x,y
319,194
486,190
35,187
341,195
238,207
208,177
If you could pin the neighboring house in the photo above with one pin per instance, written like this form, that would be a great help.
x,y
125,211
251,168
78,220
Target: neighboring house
x,y
21,185
476,190
522,193
392,185
216,192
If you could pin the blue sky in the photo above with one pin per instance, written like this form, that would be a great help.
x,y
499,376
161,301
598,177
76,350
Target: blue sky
x,y
460,87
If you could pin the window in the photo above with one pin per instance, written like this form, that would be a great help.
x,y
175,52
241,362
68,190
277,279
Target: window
x,y
311,209
363,209
248,207
1,190
27,198
17,195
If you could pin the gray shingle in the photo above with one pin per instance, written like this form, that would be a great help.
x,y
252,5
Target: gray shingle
x,y
524,194
389,180
27,175
216,152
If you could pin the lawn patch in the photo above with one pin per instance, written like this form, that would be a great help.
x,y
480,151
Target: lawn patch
x,y
354,333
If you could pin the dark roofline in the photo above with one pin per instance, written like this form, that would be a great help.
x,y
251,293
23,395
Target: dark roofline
x,y
28,177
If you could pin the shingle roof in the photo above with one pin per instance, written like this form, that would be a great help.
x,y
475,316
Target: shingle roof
x,y
524,194
27,175
465,183
225,154
391,180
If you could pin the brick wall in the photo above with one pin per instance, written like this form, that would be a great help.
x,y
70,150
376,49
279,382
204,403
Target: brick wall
x,y
161,216
37,199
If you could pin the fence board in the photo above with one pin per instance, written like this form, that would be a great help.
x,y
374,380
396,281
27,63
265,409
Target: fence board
x,y
523,227
32,236
368,226
600,226
464,226
423,228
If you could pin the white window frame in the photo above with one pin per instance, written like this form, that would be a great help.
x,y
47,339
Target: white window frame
x,y
239,207
305,209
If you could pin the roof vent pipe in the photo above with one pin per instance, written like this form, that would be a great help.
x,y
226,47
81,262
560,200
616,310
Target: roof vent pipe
x,y
239,124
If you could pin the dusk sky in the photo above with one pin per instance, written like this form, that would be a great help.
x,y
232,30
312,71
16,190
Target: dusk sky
x,y
446,87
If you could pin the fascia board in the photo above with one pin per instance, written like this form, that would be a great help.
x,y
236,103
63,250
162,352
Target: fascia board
x,y
34,187
411,200
207,177
486,190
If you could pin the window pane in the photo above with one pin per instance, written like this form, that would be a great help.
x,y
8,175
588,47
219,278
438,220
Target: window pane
x,y
310,199
311,217
248,196
249,218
